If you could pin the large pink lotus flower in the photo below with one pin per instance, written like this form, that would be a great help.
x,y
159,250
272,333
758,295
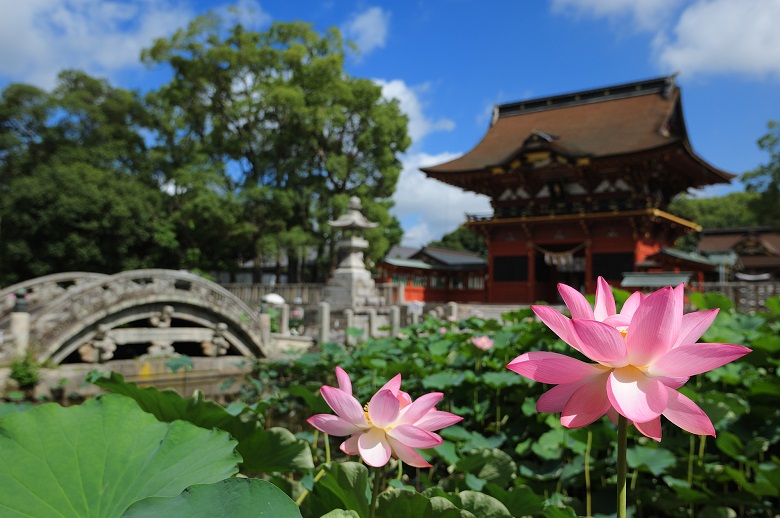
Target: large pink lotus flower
x,y
391,424
642,356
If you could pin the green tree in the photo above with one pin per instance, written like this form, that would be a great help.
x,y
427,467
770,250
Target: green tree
x,y
765,181
277,109
462,239
731,210
77,189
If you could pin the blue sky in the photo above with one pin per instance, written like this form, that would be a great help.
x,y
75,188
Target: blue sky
x,y
450,61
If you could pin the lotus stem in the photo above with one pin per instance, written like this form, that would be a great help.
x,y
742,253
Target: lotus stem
x,y
621,466
327,447
498,410
691,452
378,480
587,474
305,493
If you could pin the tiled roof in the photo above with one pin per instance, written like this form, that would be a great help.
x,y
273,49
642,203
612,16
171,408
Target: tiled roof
x,y
654,280
450,257
718,243
611,121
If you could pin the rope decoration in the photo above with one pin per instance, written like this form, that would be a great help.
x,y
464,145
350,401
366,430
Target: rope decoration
x,y
564,258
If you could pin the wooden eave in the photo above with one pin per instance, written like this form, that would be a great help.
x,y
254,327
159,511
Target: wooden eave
x,y
656,214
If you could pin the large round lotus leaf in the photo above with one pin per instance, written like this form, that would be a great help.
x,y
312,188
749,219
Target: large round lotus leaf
x,y
95,459
235,497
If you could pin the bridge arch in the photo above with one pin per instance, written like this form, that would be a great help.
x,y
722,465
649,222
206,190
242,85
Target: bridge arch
x,y
94,310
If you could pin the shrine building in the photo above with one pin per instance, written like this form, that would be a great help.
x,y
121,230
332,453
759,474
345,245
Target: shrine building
x,y
578,185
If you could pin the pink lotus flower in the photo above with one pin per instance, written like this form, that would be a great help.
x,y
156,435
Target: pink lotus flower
x,y
482,342
642,356
391,424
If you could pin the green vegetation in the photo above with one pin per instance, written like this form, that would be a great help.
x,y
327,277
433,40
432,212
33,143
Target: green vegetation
x,y
731,210
25,371
462,239
765,181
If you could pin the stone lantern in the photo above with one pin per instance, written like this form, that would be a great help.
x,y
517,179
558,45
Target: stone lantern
x,y
351,284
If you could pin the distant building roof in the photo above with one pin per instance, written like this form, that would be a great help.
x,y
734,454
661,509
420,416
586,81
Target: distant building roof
x,y
436,258
449,257
653,279
401,252
757,248
671,257
606,122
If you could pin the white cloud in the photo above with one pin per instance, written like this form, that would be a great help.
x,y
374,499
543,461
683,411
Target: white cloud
x,y
419,124
698,36
368,29
724,36
39,38
428,208
645,14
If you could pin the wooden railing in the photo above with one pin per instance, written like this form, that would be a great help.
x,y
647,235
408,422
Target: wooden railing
x,y
310,294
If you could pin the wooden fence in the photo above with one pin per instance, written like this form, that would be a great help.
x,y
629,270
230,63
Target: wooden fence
x,y
309,294
748,297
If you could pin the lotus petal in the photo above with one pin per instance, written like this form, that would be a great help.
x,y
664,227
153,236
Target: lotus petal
x,y
374,448
691,359
636,396
553,368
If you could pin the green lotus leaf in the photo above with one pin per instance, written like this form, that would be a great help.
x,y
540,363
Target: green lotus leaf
x,y
98,458
343,485
655,460
491,465
401,503
263,451
235,497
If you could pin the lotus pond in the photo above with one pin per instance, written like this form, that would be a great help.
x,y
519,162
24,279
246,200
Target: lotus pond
x,y
143,452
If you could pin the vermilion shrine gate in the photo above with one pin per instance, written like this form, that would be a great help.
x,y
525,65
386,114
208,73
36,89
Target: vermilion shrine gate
x,y
578,186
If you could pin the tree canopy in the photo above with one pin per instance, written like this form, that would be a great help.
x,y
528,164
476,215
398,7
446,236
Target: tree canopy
x,y
732,210
253,145
765,181
296,136
462,239
75,180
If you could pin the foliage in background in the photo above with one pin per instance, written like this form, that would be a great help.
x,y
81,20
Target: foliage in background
x,y
462,239
765,180
25,371
256,142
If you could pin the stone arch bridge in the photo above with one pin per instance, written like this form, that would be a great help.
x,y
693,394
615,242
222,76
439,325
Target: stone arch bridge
x,y
89,317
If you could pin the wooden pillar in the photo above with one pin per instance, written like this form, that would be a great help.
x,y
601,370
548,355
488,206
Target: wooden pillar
x,y
589,284
489,276
531,273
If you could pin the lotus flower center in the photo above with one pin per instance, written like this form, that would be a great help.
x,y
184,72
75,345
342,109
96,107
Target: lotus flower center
x,y
365,411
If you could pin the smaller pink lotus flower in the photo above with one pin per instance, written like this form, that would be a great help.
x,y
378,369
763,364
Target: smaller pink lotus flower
x,y
443,330
390,425
482,342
